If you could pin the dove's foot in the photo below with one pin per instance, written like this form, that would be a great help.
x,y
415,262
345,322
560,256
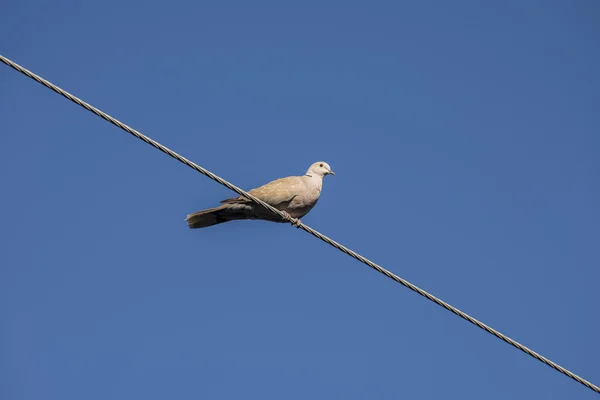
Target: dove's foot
x,y
294,221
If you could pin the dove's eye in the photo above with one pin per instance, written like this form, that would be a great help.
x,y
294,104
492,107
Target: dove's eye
x,y
321,165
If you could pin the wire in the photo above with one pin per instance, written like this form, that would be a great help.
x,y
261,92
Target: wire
x,y
300,225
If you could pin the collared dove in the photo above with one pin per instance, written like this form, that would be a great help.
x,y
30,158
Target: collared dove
x,y
294,195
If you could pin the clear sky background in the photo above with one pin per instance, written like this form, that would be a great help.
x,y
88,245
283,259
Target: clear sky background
x,y
466,140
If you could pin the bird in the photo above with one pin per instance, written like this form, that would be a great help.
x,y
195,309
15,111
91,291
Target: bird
x,y
295,196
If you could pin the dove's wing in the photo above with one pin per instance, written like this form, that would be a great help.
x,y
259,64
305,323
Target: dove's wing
x,y
278,192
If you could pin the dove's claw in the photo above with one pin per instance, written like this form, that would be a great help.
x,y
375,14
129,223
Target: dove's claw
x,y
294,221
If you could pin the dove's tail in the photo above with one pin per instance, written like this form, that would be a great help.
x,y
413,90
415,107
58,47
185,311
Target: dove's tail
x,y
214,216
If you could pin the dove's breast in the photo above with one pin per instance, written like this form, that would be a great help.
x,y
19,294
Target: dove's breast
x,y
304,201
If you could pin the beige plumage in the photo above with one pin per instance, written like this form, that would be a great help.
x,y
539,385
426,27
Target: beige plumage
x,y
294,195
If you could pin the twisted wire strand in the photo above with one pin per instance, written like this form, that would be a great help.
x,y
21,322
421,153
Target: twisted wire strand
x,y
300,225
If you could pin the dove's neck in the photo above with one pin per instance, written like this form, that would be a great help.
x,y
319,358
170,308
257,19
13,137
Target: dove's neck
x,y
314,180
314,176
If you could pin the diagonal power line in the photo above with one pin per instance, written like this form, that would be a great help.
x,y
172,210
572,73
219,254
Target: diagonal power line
x,y
299,225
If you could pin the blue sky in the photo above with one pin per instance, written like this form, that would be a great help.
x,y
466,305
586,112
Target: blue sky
x,y
465,141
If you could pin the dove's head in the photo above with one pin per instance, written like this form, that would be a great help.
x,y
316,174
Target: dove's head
x,y
320,169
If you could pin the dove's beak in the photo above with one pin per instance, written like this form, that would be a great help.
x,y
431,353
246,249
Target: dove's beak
x,y
331,172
